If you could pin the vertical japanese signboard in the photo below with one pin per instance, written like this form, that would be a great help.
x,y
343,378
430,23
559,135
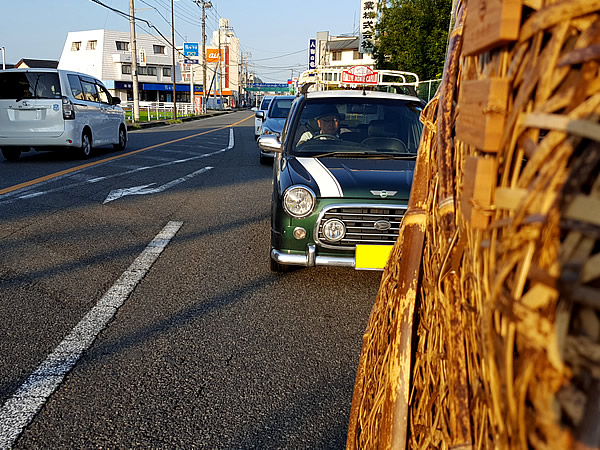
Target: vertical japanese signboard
x,y
312,54
368,19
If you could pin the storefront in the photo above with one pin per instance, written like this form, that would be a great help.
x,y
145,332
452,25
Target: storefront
x,y
156,92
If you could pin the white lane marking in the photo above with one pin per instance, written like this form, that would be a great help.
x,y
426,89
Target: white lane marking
x,y
328,184
143,190
19,410
8,197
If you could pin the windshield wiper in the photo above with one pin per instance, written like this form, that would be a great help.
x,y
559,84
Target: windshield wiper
x,y
343,154
373,155
398,155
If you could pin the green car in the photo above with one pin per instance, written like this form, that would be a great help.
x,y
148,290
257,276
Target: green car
x,y
342,178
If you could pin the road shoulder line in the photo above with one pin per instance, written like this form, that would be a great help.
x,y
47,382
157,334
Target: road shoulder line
x,y
20,409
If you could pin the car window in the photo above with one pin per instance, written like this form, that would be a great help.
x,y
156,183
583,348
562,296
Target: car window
x,y
103,94
265,104
75,84
21,85
280,108
89,91
360,125
288,121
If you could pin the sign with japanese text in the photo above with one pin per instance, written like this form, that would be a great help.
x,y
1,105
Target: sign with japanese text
x,y
190,50
312,54
360,75
368,20
142,58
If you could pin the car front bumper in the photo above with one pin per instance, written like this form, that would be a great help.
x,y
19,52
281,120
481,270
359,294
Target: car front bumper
x,y
311,259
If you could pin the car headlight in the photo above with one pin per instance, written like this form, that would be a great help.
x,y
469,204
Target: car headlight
x,y
299,201
267,132
334,230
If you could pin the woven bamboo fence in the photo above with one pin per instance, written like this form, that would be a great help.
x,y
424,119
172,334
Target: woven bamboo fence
x,y
486,329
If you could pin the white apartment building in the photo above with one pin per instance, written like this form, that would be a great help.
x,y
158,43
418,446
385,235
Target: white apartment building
x,y
106,55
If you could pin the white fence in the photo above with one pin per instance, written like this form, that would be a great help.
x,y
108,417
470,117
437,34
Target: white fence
x,y
160,110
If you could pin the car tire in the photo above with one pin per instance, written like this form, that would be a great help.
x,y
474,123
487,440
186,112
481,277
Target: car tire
x,y
11,153
266,160
122,139
279,268
85,151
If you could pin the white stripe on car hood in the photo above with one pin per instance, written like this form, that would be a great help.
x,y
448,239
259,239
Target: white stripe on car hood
x,y
328,184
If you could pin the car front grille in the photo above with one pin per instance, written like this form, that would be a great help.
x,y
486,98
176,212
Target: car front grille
x,y
360,222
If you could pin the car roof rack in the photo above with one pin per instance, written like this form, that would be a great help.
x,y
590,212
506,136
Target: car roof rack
x,y
356,77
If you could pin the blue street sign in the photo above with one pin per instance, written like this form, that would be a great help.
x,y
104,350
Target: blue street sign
x,y
190,50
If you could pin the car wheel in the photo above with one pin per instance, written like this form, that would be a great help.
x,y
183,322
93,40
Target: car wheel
x,y
279,268
85,150
122,139
266,160
11,153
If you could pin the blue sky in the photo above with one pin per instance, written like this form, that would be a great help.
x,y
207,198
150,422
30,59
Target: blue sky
x,y
268,29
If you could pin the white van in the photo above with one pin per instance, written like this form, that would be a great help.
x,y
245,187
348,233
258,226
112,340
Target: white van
x,y
50,109
259,118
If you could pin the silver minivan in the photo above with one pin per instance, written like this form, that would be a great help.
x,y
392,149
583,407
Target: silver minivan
x,y
50,109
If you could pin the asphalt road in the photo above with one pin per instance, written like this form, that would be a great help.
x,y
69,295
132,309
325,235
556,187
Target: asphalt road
x,y
206,348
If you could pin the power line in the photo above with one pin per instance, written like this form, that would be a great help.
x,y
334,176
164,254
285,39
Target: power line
x,y
281,56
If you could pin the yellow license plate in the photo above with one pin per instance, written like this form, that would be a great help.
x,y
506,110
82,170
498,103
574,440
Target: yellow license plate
x,y
372,256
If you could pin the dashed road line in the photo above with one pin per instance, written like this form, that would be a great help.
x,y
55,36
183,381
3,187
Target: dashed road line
x,y
27,193
20,409
62,173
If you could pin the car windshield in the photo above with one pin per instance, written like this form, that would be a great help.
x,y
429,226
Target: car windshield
x,y
23,85
359,127
280,108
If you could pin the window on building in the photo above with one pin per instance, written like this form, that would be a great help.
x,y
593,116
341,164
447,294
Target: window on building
x,y
151,70
122,45
91,45
76,46
159,49
357,55
142,70
166,71
336,56
126,69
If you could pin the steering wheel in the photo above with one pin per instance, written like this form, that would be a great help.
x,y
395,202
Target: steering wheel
x,y
324,137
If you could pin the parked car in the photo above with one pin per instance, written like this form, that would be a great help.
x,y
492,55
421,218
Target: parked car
x,y
342,178
260,114
50,109
274,120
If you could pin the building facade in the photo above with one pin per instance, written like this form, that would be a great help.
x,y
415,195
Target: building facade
x,y
332,55
106,55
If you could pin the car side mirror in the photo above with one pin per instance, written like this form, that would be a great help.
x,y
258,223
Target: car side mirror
x,y
115,100
270,143
260,114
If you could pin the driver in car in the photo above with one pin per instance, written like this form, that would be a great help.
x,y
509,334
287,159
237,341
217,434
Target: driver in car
x,y
328,121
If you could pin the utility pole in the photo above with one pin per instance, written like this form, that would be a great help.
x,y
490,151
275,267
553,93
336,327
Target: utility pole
x,y
173,49
205,5
134,74
220,68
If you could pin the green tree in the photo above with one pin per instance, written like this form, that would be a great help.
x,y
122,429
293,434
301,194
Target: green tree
x,y
412,36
